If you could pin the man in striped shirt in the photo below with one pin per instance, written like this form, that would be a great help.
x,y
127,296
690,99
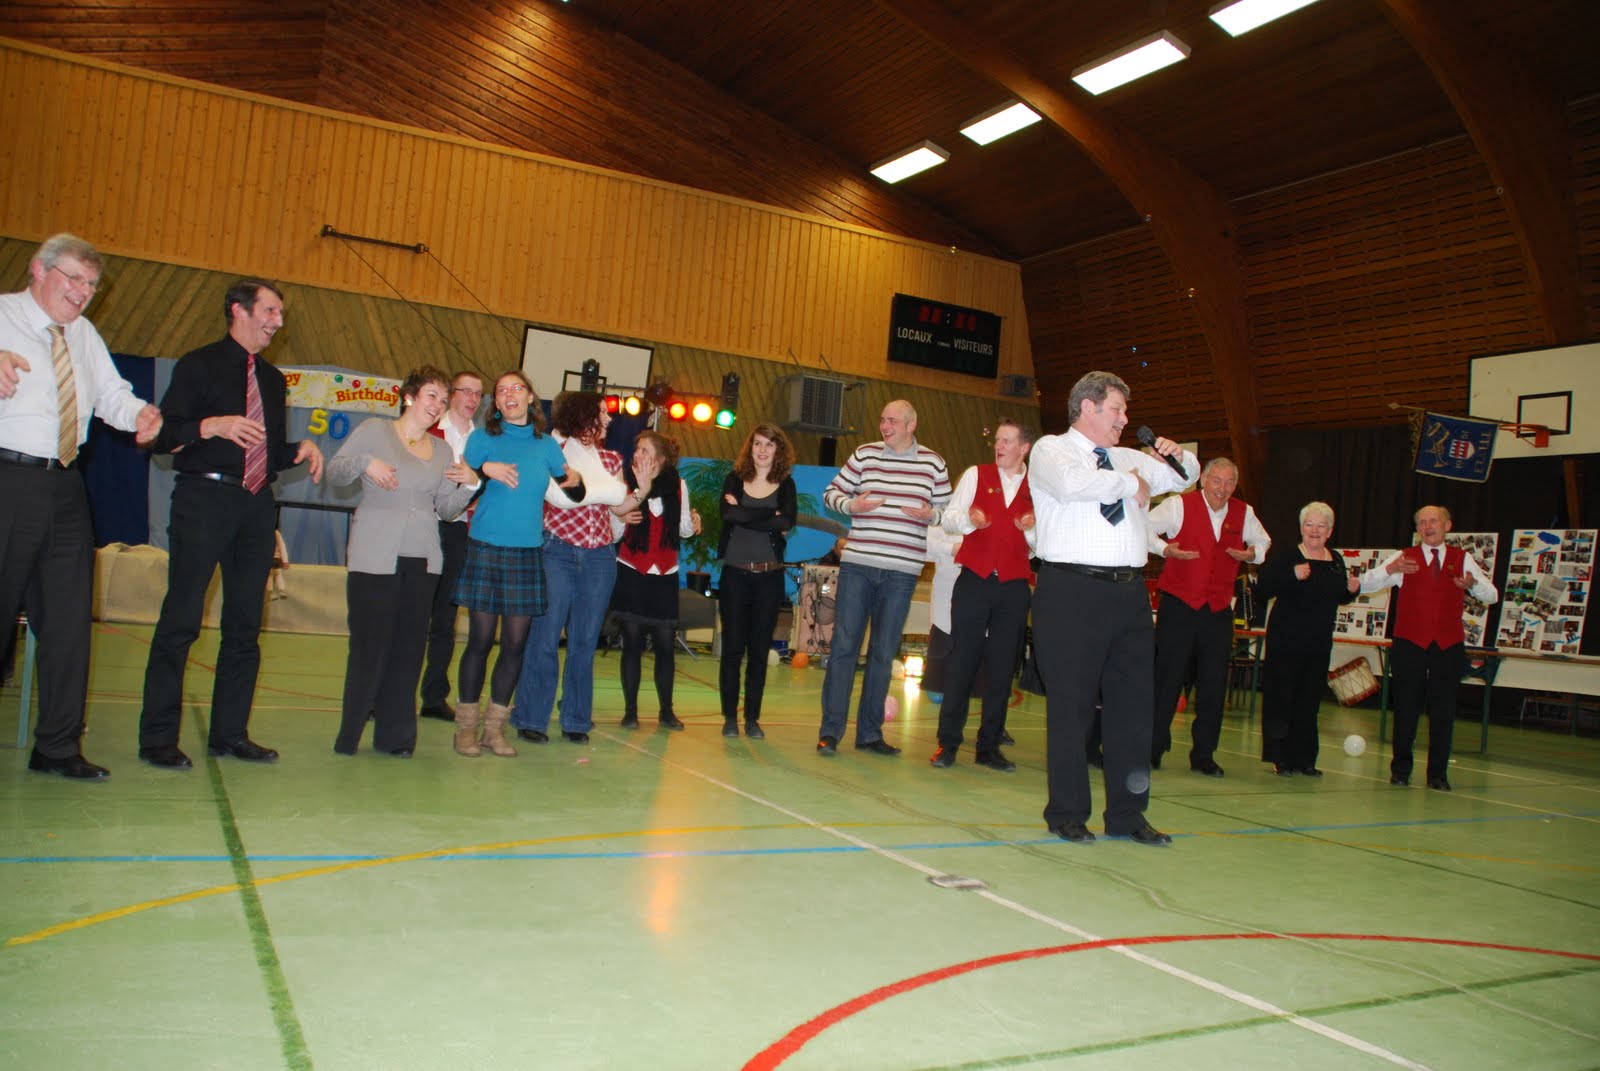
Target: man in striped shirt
x,y
892,490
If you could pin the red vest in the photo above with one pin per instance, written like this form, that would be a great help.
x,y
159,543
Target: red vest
x,y
1206,581
660,557
1430,604
1000,549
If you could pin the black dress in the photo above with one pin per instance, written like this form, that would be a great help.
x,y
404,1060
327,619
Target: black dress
x,y
1299,644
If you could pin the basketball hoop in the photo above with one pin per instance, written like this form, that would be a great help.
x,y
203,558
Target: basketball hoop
x,y
1536,435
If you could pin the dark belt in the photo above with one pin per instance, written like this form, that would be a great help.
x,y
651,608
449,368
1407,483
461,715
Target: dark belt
x,y
220,477
1100,572
28,459
754,567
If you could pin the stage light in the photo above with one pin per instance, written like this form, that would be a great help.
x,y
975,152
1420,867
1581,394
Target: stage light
x,y
632,405
589,376
613,404
677,410
701,412
730,401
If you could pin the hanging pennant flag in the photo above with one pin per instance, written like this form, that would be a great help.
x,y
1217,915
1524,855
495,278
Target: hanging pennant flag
x,y
1456,448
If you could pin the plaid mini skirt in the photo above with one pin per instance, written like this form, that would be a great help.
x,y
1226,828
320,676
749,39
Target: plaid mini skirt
x,y
502,580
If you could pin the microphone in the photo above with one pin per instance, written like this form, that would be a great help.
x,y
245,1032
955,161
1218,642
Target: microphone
x,y
1148,438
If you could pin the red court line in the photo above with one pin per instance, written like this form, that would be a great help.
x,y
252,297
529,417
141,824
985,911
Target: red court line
x,y
797,1038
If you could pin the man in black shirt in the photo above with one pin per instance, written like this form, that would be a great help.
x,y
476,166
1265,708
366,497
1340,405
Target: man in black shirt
x,y
224,419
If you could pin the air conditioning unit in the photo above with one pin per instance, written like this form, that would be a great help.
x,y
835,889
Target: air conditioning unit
x,y
821,404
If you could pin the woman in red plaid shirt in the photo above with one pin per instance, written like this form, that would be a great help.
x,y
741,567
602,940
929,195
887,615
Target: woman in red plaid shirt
x,y
580,565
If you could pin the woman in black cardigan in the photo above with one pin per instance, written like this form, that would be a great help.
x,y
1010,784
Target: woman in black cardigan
x,y
1310,583
759,505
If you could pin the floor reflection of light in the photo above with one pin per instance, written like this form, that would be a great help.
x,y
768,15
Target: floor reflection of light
x,y
663,901
914,667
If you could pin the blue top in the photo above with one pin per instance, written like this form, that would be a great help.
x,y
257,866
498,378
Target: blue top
x,y
514,517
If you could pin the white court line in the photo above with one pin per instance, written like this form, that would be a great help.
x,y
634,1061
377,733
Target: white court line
x,y
1214,987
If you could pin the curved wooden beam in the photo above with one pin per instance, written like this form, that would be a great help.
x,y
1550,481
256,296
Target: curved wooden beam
x,y
1192,222
1520,127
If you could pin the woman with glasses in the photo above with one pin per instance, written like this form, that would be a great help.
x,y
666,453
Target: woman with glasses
x,y
408,479
503,580
759,506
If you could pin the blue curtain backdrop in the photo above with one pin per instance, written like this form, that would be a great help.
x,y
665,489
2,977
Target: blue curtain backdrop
x,y
116,471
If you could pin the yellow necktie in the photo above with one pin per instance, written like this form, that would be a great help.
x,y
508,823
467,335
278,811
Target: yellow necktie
x,y
66,397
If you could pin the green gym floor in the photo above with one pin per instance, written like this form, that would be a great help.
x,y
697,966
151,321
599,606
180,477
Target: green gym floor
x,y
662,901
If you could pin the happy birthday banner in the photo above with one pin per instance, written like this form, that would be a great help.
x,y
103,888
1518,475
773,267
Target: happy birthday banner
x,y
316,388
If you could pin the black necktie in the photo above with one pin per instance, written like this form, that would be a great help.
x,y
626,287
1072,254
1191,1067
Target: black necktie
x,y
1111,511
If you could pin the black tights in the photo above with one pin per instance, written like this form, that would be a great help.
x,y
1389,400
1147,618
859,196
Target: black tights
x,y
475,658
663,636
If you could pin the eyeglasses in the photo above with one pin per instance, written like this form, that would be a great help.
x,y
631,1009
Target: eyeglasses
x,y
467,391
510,390
77,280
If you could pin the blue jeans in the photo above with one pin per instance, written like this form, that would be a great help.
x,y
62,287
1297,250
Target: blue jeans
x,y
579,580
865,593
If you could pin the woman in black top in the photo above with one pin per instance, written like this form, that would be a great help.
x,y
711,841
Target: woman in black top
x,y
1310,583
759,505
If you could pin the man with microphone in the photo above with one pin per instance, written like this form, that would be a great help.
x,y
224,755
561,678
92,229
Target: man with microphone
x,y
1091,617
1204,535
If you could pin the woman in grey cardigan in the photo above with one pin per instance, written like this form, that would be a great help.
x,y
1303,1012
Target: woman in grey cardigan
x,y
408,483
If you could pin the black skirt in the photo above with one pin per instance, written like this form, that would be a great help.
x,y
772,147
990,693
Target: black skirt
x,y
645,596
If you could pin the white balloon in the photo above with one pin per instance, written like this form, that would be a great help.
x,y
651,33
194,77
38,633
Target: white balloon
x,y
1354,745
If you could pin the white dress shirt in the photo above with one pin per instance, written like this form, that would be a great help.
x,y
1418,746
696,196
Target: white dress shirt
x,y
456,440
1068,489
1378,577
1166,520
942,548
30,418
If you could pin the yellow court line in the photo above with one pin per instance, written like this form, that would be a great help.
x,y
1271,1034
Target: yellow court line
x,y
410,857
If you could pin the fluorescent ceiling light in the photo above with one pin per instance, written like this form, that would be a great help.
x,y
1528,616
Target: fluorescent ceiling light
x,y
1242,16
1137,60
914,160
996,123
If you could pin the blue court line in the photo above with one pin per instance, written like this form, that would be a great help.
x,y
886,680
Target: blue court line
x,y
840,849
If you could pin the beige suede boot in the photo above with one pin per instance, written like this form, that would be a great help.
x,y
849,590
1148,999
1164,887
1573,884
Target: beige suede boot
x,y
467,723
494,730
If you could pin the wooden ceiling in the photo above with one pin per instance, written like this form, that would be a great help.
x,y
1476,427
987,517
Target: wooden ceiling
x,y
1327,87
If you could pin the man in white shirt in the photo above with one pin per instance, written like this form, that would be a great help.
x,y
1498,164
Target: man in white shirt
x,y
1429,653
1205,535
466,392
1091,617
993,513
56,373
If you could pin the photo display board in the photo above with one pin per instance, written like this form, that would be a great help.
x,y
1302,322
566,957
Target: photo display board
x,y
1483,548
1547,590
1367,617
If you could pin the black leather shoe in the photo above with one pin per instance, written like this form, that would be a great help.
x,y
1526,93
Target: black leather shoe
x,y
881,747
1440,783
245,750
629,721
1283,771
995,760
402,752
1005,738
168,757
437,711
944,758
575,738
533,736
752,729
730,726
1155,762
1149,834
75,767
670,721
1403,782
1311,771
1208,767
1076,832
827,746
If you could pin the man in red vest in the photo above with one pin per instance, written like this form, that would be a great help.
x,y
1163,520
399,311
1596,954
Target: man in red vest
x,y
992,510
1204,534
1429,655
